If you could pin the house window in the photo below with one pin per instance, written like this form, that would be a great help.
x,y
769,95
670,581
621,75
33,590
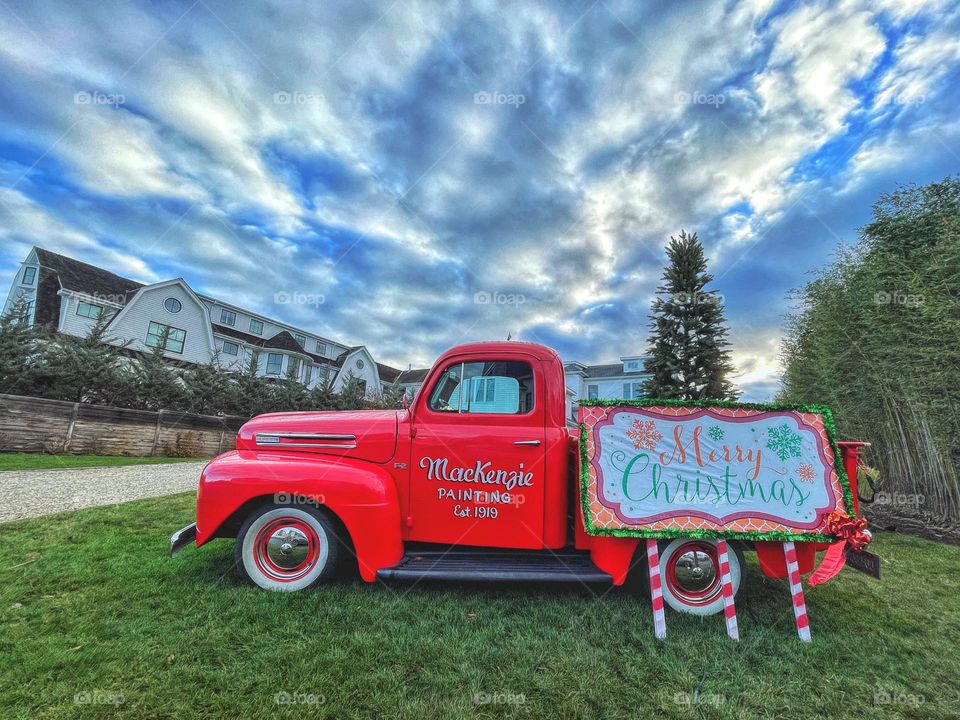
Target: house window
x,y
321,348
633,365
230,348
632,390
228,317
301,339
89,310
483,389
29,275
26,313
307,374
293,367
256,327
175,337
274,363
593,392
172,305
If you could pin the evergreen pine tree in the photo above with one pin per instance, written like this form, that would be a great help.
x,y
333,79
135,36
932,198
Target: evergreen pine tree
x,y
18,344
158,385
90,369
688,359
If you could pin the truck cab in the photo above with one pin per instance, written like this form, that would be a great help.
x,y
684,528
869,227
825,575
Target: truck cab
x,y
475,480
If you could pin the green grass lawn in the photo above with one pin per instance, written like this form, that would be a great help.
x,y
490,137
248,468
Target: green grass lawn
x,y
93,611
38,461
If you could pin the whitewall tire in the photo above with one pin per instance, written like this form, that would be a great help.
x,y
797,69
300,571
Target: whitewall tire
x,y
286,548
690,575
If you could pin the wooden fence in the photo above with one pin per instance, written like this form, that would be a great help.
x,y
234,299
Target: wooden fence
x,y
30,424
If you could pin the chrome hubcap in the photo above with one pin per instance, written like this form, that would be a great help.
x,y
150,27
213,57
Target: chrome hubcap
x,y
695,572
287,547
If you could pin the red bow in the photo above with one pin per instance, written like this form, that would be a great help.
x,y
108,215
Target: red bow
x,y
849,529
851,533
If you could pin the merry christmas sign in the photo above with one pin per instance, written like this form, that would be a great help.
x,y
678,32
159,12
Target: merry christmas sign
x,y
659,469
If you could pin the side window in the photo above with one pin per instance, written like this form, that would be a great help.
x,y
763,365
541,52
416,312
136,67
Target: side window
x,y
503,387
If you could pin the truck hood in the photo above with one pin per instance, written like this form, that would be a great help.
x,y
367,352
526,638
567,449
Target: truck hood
x,y
362,434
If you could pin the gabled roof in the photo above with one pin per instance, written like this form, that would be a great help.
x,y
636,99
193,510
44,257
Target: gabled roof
x,y
85,278
275,343
414,376
283,341
387,373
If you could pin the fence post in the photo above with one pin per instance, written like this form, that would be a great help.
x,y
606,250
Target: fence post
x,y
156,433
70,426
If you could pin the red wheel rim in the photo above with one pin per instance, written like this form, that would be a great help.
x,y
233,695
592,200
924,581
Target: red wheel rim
x,y
693,573
286,549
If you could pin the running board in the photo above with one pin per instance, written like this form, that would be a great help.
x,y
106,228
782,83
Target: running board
x,y
493,566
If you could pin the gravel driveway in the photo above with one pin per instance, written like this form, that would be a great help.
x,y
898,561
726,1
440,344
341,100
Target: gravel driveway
x,y
31,493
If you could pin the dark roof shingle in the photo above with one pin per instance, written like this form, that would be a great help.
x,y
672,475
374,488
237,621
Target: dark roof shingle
x,y
85,278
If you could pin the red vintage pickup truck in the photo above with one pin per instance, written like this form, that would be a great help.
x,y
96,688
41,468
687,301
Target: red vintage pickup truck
x,y
474,481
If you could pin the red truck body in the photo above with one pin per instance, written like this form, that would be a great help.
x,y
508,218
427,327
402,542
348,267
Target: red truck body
x,y
375,474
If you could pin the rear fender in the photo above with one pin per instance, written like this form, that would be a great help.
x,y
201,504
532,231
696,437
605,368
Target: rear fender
x,y
361,495
774,564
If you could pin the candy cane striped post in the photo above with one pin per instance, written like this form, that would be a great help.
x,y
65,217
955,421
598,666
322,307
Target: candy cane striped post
x,y
796,590
726,585
656,590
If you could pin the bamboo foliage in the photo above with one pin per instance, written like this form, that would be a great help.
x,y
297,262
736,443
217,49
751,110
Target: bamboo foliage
x,y
876,335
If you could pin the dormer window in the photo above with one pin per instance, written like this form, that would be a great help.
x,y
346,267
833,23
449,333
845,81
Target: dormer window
x,y
228,317
29,275
321,347
301,340
256,327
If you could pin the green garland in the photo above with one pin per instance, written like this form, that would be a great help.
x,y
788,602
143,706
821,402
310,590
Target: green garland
x,y
828,423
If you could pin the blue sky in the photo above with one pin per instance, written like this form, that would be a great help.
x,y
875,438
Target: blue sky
x,y
408,160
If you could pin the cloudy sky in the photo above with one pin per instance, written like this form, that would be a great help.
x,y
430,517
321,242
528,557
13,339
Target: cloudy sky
x,y
410,160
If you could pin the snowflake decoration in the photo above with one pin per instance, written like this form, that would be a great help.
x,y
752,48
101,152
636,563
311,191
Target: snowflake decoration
x,y
806,473
645,435
784,442
715,432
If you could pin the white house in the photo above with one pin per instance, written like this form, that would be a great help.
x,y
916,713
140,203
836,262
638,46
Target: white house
x,y
609,381
70,296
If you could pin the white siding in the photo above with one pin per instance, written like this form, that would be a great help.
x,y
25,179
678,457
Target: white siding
x,y
20,292
368,372
147,306
271,328
79,325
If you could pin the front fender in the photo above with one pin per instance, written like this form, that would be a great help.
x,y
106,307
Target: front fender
x,y
362,495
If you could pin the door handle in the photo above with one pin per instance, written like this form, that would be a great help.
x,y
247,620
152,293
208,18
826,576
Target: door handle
x,y
526,442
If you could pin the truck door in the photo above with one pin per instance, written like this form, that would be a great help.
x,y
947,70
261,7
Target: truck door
x,y
477,457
